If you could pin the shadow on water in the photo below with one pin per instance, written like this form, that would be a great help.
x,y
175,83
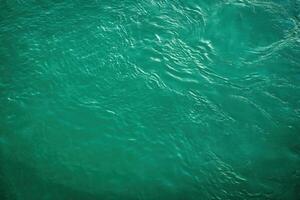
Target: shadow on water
x,y
19,181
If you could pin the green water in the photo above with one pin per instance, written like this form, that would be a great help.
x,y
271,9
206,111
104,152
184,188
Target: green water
x,y
155,100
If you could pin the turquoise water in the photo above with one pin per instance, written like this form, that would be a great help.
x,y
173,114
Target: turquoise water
x,y
166,99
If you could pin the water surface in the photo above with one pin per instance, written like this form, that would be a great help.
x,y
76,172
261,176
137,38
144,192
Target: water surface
x,y
166,99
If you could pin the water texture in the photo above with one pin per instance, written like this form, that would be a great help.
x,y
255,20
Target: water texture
x,y
153,99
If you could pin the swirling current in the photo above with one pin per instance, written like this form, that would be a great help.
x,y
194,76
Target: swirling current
x,y
152,99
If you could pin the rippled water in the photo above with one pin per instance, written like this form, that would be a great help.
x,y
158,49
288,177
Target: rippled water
x,y
166,99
